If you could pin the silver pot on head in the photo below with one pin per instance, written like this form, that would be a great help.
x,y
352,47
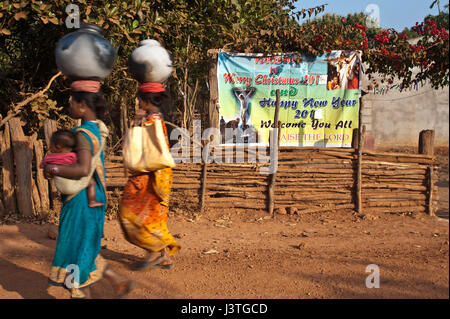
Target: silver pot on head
x,y
85,54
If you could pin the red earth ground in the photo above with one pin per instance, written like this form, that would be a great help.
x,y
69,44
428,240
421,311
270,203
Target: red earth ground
x,y
230,255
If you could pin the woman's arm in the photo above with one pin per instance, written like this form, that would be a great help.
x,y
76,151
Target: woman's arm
x,y
138,117
75,171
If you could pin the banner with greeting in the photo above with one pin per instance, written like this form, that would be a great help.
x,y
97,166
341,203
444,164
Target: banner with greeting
x,y
319,98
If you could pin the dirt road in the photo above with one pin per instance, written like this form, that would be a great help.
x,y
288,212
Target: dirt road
x,y
241,255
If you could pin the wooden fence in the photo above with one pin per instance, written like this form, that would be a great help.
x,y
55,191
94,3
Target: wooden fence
x,y
24,188
308,180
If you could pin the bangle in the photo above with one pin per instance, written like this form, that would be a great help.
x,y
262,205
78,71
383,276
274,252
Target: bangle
x,y
54,170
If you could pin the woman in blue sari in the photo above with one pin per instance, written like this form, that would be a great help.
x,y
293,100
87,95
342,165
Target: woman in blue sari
x,y
77,263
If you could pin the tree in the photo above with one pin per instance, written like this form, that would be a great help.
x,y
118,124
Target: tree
x,y
441,19
188,28
410,34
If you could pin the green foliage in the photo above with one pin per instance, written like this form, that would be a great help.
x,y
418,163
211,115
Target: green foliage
x,y
441,19
29,31
410,34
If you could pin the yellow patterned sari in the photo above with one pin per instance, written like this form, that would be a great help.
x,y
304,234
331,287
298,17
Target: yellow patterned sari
x,y
144,207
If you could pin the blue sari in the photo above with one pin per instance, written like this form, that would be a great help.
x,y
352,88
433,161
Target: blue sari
x,y
77,263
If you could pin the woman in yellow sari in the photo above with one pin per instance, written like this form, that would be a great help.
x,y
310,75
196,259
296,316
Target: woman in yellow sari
x,y
144,206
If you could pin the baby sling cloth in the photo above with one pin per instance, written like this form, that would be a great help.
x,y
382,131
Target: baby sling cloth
x,y
73,186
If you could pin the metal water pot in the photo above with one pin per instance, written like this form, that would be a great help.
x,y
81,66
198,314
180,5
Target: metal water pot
x,y
150,62
85,54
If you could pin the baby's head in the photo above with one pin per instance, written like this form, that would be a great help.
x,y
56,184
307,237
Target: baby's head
x,y
62,141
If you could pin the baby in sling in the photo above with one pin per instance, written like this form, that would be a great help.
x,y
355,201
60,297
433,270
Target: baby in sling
x,y
62,145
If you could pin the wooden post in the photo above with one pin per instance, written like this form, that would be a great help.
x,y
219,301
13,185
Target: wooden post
x,y
2,208
426,147
23,157
8,183
359,160
213,88
276,140
123,116
37,208
204,173
50,127
122,126
213,114
426,142
363,137
355,138
430,191
41,182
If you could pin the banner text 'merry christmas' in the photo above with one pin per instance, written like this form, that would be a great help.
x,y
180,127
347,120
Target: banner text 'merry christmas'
x,y
263,78
259,79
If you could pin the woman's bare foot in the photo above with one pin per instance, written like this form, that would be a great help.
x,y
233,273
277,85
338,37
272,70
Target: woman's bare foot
x,y
152,256
159,259
166,260
121,285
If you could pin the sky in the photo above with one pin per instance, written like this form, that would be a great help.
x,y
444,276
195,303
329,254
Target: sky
x,y
396,14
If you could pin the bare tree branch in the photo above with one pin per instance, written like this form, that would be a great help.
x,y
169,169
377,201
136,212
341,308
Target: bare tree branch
x,y
16,109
